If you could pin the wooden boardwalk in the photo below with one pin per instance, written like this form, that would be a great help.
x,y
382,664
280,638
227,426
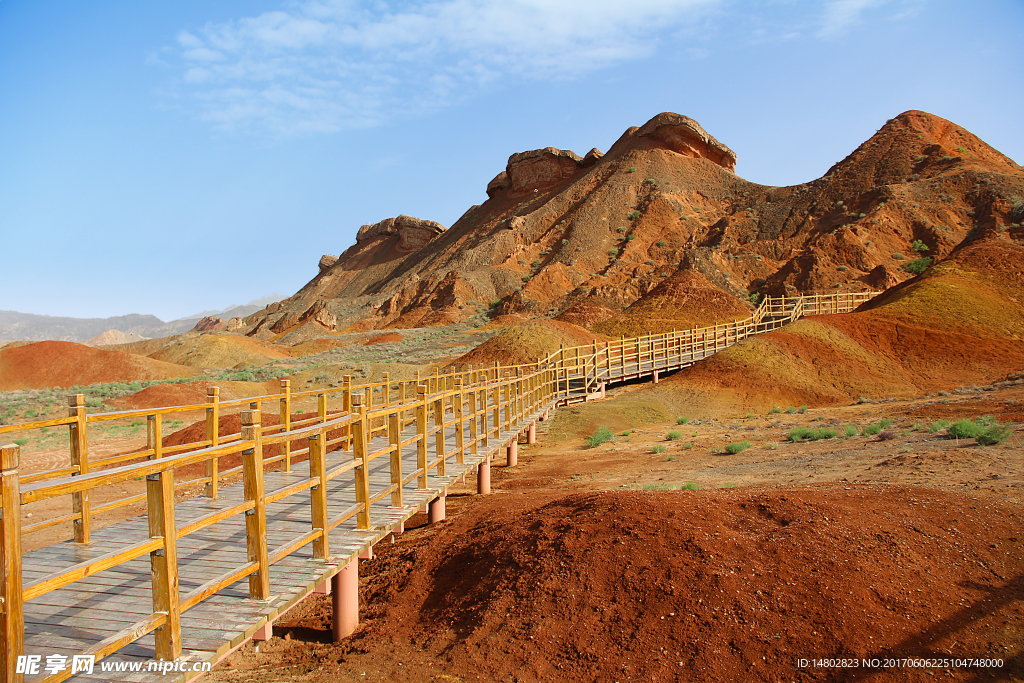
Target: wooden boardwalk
x,y
195,578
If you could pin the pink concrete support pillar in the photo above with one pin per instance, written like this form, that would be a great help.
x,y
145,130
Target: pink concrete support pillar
x,y
367,554
512,453
345,599
435,510
531,433
265,632
323,588
545,417
483,477
655,376
602,389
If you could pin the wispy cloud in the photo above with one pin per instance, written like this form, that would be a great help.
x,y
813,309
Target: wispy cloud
x,y
330,64
327,65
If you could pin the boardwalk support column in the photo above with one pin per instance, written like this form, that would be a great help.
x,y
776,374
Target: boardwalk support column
x,y
656,377
512,452
345,600
255,519
286,423
435,510
164,562
531,433
483,476
12,618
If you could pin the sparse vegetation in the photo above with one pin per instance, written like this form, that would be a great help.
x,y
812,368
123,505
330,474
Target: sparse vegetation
x,y
738,447
602,435
661,243
918,265
849,430
918,245
808,434
993,434
774,410
674,435
682,420
658,448
634,215
871,429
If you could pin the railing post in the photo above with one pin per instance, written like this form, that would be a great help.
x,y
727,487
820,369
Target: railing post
x,y
255,519
421,432
387,390
497,410
155,436
401,400
439,445
481,414
460,427
360,452
346,406
213,436
395,439
474,410
80,458
318,494
507,391
286,423
321,407
12,616
164,562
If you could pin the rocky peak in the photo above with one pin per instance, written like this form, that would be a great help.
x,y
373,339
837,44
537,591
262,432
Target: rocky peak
x,y
326,261
540,168
412,233
683,135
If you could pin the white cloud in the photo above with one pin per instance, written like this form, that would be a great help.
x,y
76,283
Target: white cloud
x,y
327,65
840,15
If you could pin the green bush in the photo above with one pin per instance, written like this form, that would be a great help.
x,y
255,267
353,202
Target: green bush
x,y
634,215
682,420
774,410
632,169
690,486
613,252
850,430
918,245
687,446
885,423
21,442
674,436
621,229
602,435
964,429
872,429
661,243
738,447
625,433
808,434
918,265
938,425
790,410
658,448
993,434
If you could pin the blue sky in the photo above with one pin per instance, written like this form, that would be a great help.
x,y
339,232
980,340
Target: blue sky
x,y
168,157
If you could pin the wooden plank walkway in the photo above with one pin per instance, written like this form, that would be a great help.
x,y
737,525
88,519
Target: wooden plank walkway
x,y
71,619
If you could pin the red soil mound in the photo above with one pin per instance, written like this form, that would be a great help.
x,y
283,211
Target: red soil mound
x,y
66,364
384,339
684,300
192,393
726,585
526,342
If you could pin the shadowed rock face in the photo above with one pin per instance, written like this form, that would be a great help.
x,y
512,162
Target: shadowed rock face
x,y
412,233
499,183
683,135
540,168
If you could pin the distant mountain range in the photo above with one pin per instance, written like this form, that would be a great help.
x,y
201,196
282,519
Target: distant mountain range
x,y
16,326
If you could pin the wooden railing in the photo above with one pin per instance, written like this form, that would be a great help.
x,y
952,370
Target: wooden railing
x,y
485,402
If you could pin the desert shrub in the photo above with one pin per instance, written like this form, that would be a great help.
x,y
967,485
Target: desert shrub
x,y
918,245
536,262
630,238
843,269
803,409
650,181
850,430
690,486
621,228
634,215
885,423
993,435
661,243
674,436
687,446
648,262
774,410
964,429
898,256
602,435
887,435
670,458
658,448
737,447
21,442
790,410
918,265
872,429
625,433
682,420
613,252
755,298
632,169
808,434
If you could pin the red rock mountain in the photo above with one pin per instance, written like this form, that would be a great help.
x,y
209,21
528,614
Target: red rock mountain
x,y
662,215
